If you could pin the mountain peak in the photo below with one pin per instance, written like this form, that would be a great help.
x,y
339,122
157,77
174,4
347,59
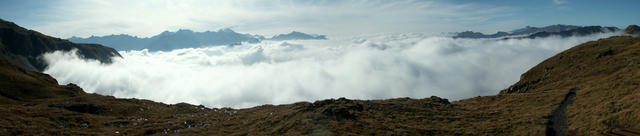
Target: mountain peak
x,y
186,38
184,31
632,29
295,35
228,30
534,32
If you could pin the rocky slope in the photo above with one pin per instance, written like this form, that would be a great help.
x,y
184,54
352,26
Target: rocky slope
x,y
22,47
590,89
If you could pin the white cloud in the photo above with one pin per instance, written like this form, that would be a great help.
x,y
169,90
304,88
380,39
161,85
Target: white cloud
x,y
271,72
559,2
267,17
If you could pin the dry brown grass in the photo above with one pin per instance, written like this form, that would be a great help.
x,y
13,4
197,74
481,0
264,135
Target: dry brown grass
x,y
606,72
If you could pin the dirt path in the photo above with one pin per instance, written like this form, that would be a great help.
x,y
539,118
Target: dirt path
x,y
557,125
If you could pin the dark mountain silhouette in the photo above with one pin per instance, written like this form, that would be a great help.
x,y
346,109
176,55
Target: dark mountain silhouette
x,y
632,29
551,28
166,40
22,47
471,34
298,36
535,32
582,31
184,38
119,42
188,39
590,89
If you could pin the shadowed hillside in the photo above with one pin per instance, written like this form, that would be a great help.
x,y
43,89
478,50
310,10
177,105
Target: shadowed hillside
x,y
18,84
590,89
535,32
23,47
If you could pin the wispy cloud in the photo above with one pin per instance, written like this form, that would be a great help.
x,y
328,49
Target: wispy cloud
x,y
559,2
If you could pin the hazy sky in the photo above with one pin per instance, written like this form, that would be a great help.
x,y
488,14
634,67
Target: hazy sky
x,y
66,18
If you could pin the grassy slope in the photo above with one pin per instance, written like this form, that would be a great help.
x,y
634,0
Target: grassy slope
x,y
604,71
17,84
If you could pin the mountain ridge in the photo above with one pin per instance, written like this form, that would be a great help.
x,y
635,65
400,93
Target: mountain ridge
x,y
293,35
539,32
185,38
550,28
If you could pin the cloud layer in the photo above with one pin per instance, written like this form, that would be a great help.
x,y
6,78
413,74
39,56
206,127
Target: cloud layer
x,y
277,72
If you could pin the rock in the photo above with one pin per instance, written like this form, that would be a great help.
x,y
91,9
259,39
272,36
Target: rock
x,y
82,108
74,88
436,99
632,29
342,111
608,52
339,109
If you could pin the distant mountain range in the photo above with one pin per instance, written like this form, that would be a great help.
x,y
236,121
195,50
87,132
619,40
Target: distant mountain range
x,y
536,32
184,38
298,36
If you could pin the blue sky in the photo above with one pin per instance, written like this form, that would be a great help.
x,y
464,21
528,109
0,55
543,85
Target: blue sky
x,y
66,18
579,12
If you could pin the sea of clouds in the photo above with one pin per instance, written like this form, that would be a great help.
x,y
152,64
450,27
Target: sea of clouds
x,y
278,72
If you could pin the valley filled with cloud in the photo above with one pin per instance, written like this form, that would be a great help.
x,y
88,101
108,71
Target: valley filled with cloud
x,y
375,66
